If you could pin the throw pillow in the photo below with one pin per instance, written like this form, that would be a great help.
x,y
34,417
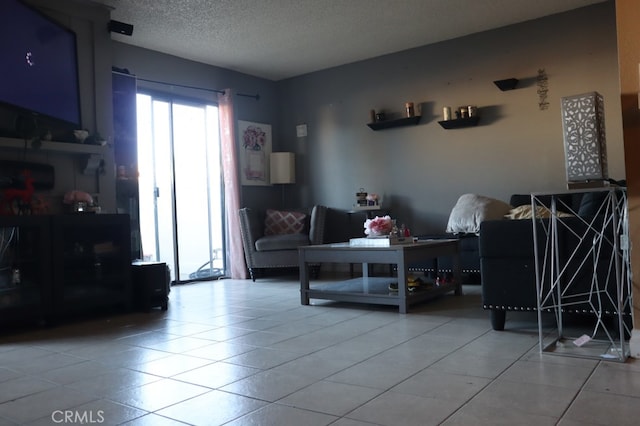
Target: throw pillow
x,y
279,222
471,210
524,212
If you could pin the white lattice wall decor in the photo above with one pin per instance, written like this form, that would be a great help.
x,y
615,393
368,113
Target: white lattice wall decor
x,y
585,144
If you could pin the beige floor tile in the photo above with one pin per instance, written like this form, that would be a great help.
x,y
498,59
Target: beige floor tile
x,y
263,358
527,398
250,354
269,385
153,420
482,415
393,409
379,374
171,365
569,376
279,415
468,364
431,383
212,408
95,412
178,345
351,422
610,378
219,351
43,404
76,372
116,380
221,334
216,375
157,395
8,374
330,397
23,355
317,365
22,386
604,409
259,338
133,356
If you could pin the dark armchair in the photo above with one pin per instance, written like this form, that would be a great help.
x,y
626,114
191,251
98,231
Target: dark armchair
x,y
279,247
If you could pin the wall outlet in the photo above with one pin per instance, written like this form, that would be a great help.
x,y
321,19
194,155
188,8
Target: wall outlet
x,y
301,130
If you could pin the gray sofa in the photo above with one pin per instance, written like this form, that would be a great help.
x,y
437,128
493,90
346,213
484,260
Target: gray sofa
x,y
281,250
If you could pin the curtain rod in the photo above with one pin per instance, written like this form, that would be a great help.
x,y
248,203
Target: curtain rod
x,y
256,96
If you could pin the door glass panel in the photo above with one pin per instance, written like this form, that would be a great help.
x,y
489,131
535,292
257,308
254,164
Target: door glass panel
x,y
181,204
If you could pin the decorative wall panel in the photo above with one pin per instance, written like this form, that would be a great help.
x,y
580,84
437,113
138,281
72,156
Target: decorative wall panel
x,y
585,145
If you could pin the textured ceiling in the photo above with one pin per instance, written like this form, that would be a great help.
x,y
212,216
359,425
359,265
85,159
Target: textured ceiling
x,y
277,39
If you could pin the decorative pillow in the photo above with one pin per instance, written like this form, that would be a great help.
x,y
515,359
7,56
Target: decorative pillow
x,y
524,212
471,210
279,222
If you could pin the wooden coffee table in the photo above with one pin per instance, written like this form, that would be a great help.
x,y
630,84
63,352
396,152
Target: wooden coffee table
x,y
375,290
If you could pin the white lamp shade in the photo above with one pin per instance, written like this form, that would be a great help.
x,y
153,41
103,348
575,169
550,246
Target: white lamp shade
x,y
283,167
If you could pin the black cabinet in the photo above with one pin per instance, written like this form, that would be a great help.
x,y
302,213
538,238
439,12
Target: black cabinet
x,y
55,266
91,262
151,285
25,265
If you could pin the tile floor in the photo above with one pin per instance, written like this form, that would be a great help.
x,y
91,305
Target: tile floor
x,y
241,353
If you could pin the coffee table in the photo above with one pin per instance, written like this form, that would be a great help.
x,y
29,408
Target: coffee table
x,y
375,290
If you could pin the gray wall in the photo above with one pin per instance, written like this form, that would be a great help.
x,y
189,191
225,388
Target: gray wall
x,y
422,170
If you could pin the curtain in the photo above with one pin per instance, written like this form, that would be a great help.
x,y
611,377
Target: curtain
x,y
235,253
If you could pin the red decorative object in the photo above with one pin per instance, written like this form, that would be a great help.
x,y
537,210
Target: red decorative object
x,y
17,201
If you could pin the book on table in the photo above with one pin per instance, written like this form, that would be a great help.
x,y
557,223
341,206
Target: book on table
x,y
379,241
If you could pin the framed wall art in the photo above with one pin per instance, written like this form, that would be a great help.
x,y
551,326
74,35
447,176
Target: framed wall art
x,y
253,152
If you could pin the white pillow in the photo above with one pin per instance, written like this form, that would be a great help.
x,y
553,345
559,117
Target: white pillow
x,y
471,210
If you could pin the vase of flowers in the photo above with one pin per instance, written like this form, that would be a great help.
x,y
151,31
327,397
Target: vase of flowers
x,y
378,226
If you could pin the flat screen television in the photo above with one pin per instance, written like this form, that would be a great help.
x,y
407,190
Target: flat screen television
x,y
38,64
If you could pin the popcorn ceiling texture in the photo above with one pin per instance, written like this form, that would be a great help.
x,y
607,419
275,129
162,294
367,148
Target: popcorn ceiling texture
x,y
277,39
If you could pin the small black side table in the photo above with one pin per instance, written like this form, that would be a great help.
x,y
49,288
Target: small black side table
x,y
151,283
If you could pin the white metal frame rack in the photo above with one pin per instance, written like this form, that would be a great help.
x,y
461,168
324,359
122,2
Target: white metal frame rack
x,y
601,255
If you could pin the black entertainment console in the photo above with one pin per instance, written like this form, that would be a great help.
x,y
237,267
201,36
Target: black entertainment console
x,y
58,266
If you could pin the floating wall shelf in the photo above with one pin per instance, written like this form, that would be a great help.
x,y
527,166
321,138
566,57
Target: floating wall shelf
x,y
506,84
460,122
64,147
388,124
457,123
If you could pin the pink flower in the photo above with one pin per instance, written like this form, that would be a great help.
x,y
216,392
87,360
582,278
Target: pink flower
x,y
254,138
378,226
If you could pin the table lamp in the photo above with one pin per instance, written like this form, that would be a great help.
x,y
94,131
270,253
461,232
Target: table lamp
x,y
283,169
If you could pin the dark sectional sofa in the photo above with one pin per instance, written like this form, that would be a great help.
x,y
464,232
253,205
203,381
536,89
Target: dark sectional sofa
x,y
507,260
469,258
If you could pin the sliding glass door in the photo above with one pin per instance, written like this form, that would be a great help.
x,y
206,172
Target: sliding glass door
x,y
180,186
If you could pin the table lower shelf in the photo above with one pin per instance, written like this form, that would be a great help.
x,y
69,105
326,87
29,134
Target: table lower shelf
x,y
374,290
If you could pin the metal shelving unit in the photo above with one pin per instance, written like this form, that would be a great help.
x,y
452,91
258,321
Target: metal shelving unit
x,y
583,266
